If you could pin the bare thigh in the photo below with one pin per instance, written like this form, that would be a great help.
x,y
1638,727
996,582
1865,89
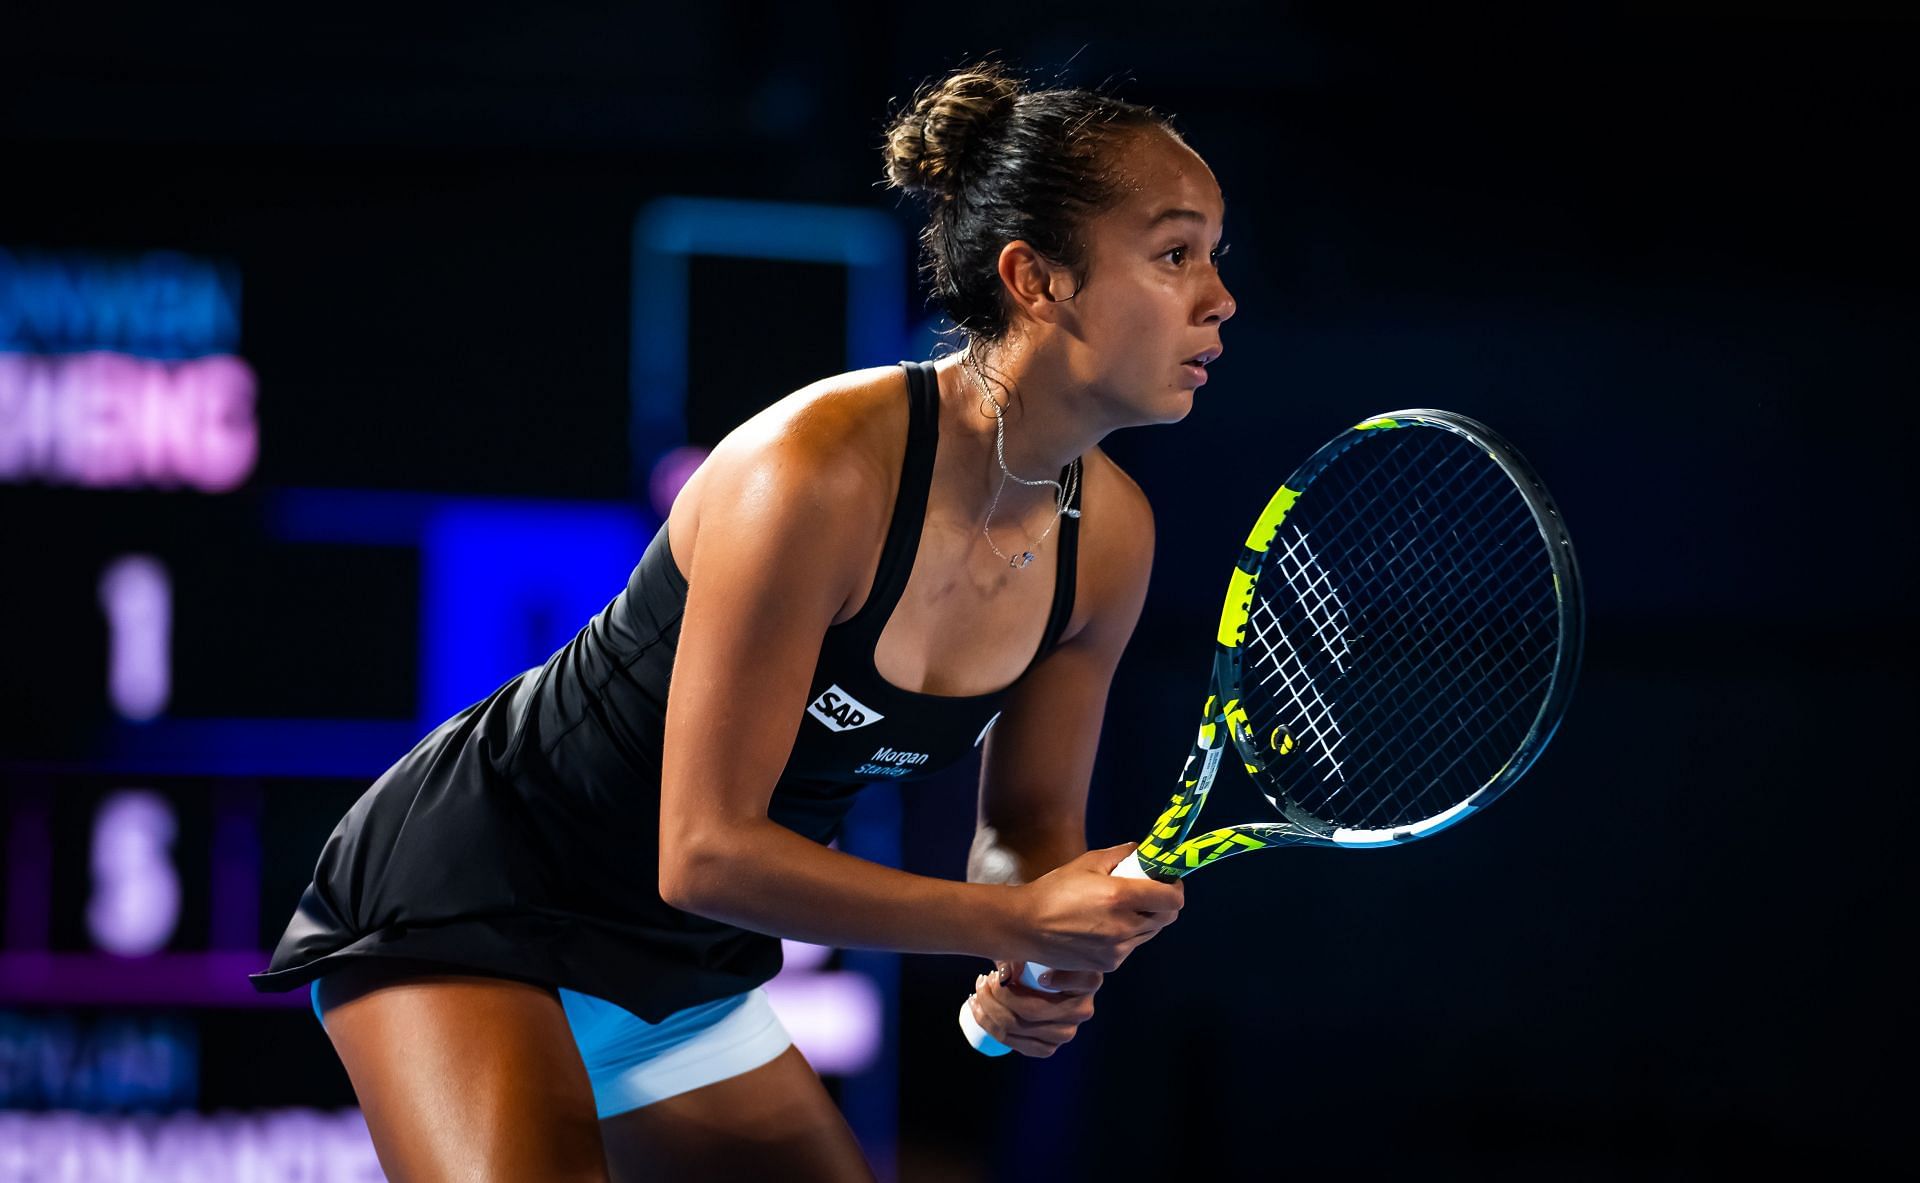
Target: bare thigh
x,y
775,1122
467,1078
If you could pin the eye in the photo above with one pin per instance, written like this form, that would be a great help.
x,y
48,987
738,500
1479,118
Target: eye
x,y
1179,254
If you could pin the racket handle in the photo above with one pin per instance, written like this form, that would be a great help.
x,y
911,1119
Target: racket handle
x,y
981,1039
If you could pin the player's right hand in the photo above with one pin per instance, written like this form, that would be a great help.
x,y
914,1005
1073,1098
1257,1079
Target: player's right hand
x,y
1033,1022
1078,916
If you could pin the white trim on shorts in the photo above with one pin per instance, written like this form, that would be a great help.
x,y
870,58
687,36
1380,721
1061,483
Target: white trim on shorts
x,y
633,1062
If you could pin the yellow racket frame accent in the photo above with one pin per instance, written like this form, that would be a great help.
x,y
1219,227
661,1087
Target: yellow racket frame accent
x,y
1233,617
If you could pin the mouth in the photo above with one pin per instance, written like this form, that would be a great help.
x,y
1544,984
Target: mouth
x,y
1196,366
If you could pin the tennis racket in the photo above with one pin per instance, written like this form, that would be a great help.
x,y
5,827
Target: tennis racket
x,y
1399,642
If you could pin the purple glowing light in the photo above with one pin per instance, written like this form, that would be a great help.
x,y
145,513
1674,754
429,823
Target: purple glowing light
x,y
798,956
137,597
110,420
235,919
164,979
834,1018
29,869
671,473
280,1146
135,904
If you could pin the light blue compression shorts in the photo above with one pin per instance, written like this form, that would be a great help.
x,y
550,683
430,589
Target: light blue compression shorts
x,y
633,1062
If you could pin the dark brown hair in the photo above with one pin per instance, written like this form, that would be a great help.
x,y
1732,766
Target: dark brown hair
x,y
997,162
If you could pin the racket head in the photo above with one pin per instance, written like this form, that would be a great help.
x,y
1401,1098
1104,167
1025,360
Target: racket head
x,y
1402,633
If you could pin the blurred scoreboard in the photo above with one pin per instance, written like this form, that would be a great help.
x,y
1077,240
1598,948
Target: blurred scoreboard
x,y
204,663
154,890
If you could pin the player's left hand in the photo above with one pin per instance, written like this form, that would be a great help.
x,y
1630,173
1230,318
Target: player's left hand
x,y
1034,1022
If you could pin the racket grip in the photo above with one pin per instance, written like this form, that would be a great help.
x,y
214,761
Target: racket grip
x,y
983,1040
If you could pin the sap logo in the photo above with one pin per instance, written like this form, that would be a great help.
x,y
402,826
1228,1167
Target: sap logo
x,y
842,711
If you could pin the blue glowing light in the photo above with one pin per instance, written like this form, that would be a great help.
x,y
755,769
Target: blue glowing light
x,y
671,229
159,305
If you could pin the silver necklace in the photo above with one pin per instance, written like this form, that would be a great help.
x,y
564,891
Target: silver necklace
x,y
1063,493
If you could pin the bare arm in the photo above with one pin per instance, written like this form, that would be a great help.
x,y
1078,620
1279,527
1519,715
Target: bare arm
x,y
1038,766
1038,762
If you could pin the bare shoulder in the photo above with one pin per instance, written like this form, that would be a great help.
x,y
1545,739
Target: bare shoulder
x,y
1123,502
824,459
1116,548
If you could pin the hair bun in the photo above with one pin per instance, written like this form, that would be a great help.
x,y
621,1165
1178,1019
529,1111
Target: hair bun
x,y
928,144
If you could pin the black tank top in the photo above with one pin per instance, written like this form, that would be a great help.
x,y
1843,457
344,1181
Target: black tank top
x,y
521,837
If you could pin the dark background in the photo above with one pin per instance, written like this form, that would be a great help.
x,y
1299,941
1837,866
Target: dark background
x,y
1670,257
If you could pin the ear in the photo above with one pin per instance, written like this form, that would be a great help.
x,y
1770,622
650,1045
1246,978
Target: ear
x,y
1036,286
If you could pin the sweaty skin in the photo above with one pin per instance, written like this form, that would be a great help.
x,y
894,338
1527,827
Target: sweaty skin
x,y
806,489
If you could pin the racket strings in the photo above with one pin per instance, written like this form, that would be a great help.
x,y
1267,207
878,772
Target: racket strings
x,y
1315,728
1314,589
1409,464
1404,668
1479,680
1409,599
1433,746
1409,615
1298,572
1484,719
1320,598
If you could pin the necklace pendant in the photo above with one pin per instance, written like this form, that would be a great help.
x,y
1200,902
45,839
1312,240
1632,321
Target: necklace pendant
x,y
1025,557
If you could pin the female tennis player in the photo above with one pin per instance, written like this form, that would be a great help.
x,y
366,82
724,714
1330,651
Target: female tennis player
x,y
537,941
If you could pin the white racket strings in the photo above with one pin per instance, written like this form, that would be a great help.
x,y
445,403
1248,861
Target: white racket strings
x,y
1404,635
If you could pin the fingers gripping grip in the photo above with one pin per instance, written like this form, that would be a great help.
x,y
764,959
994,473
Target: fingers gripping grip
x,y
983,1040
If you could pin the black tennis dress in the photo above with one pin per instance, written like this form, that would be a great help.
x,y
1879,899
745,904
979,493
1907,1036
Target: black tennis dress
x,y
520,838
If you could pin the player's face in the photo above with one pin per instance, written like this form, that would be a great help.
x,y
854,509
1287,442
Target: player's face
x,y
1153,296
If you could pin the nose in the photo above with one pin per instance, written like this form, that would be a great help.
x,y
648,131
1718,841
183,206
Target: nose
x,y
1220,305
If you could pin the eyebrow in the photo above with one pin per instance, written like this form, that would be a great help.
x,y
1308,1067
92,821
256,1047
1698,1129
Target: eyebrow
x,y
1176,213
